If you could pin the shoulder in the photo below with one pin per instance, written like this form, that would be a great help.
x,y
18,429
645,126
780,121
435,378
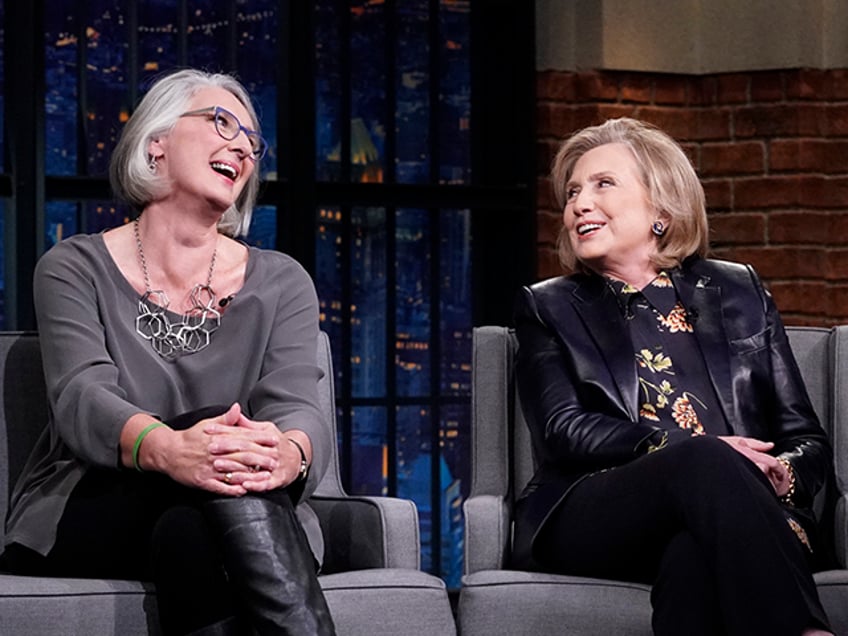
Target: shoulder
x,y
555,298
272,264
559,286
78,251
280,272
727,275
737,284
566,289
719,269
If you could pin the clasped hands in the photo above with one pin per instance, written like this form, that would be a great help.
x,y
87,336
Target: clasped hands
x,y
231,454
757,451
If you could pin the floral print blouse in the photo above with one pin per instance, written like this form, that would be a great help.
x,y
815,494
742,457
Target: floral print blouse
x,y
674,386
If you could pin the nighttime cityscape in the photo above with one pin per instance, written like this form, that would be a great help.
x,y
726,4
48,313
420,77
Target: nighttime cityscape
x,y
394,281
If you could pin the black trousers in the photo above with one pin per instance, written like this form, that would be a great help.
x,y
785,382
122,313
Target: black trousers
x,y
142,526
703,525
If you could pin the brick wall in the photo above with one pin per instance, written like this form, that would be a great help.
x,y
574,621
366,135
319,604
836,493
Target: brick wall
x,y
771,149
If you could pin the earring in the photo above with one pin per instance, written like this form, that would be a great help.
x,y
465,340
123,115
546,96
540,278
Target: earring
x,y
658,228
151,165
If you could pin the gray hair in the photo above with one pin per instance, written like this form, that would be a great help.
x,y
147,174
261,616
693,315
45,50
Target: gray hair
x,y
156,115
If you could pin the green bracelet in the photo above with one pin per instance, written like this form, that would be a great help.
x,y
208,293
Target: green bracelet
x,y
140,439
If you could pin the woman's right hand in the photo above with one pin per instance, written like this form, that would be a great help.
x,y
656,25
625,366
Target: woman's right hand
x,y
185,455
757,450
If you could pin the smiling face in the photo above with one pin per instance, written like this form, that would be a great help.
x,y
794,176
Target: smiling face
x,y
608,215
198,163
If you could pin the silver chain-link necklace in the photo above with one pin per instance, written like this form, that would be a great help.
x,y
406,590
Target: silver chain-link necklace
x,y
191,334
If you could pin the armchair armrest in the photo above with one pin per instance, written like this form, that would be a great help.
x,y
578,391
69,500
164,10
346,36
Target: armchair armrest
x,y
368,532
487,533
840,530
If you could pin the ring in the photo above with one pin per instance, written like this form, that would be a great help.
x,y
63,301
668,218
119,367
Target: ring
x,y
228,477
256,469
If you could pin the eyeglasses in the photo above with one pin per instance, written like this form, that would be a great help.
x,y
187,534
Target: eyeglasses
x,y
229,127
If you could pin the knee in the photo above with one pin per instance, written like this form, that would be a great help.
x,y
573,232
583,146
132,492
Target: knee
x,y
177,529
706,448
708,458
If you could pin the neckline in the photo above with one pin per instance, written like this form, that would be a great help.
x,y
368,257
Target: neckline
x,y
130,292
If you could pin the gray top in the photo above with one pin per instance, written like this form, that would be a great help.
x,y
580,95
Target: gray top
x,y
99,372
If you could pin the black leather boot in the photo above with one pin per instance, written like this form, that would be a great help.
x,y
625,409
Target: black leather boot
x,y
270,565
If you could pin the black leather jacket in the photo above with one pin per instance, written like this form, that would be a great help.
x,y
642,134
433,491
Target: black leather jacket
x,y
577,380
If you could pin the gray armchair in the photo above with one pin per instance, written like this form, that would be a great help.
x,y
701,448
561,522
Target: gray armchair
x,y
371,576
497,600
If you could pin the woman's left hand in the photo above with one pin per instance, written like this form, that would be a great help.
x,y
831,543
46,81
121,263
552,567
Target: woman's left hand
x,y
757,451
277,466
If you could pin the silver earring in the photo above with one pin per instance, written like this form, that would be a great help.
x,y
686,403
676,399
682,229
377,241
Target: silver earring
x,y
151,165
658,228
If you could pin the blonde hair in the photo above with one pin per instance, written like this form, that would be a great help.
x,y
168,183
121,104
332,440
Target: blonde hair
x,y
129,172
674,189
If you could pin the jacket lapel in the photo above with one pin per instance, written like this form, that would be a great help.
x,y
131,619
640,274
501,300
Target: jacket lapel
x,y
703,305
598,309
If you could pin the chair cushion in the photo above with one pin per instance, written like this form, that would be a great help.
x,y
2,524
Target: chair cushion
x,y
387,602
34,606
514,602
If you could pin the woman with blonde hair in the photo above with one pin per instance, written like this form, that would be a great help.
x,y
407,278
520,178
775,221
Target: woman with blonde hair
x,y
675,439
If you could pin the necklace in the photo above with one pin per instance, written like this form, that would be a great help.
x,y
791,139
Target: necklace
x,y
191,334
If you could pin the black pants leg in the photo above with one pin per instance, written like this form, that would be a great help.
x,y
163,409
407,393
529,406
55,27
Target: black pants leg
x,y
619,524
191,584
140,527
683,594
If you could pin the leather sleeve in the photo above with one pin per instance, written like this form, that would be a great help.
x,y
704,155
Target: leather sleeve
x,y
572,422
794,427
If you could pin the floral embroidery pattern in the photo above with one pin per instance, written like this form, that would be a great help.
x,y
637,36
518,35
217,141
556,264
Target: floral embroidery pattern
x,y
659,391
684,414
799,532
662,280
676,320
662,400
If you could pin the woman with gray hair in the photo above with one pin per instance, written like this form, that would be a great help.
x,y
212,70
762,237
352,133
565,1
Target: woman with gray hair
x,y
182,384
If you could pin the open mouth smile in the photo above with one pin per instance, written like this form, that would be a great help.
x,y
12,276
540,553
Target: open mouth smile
x,y
586,228
229,171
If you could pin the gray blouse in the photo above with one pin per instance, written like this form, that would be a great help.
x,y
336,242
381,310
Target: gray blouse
x,y
100,371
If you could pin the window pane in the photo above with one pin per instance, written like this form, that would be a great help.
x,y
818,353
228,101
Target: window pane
x,y
208,30
455,106
329,282
412,164
456,302
456,483
414,470
412,309
2,86
158,38
263,227
258,58
102,215
368,302
368,90
3,204
106,107
60,99
328,90
370,451
60,221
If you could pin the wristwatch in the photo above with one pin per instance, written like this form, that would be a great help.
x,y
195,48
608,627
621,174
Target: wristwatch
x,y
304,466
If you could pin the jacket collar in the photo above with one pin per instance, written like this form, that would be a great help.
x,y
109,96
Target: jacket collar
x,y
702,301
598,307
